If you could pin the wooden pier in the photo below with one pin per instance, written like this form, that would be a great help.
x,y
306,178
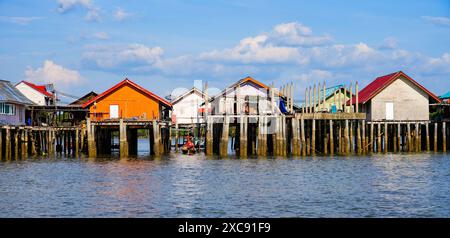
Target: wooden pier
x,y
21,142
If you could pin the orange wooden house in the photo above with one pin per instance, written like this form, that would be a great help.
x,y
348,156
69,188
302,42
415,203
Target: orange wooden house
x,y
127,100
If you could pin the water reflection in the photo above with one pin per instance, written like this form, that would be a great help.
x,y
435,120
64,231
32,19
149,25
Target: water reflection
x,y
401,185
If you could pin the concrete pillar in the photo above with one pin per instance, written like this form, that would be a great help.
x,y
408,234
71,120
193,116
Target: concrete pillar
x,y
157,149
224,139
435,136
209,136
243,137
92,147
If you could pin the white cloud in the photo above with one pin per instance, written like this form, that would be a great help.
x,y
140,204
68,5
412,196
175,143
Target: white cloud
x,y
314,75
116,56
121,15
93,12
101,35
67,5
255,50
440,21
284,44
19,20
53,73
296,34
389,43
437,65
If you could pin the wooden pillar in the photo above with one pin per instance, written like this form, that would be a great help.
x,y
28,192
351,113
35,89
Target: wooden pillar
x,y
77,145
82,140
1,143
340,138
399,136
224,139
394,137
357,97
313,138
23,143
386,138
33,143
176,137
8,143
346,139
16,144
419,137
379,137
427,131
444,138
302,134
372,138
331,138
358,135
408,137
363,132
416,137
435,137
351,142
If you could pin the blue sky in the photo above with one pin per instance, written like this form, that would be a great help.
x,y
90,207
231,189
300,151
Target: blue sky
x,y
84,45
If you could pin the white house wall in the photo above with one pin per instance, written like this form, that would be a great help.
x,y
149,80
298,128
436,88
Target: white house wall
x,y
223,105
186,109
33,95
410,102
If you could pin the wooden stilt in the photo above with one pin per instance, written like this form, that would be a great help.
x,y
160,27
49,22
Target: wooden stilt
x,y
313,138
372,138
427,131
386,138
302,134
379,138
331,138
444,138
409,142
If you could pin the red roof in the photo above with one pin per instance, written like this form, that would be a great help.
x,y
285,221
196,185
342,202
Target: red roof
x,y
380,83
39,88
132,84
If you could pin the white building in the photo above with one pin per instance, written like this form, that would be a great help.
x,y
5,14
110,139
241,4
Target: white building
x,y
396,97
36,93
186,107
247,96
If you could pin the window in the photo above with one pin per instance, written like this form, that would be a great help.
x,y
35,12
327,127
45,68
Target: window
x,y
7,109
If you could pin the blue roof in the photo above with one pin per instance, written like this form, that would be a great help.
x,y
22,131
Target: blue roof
x,y
330,91
445,96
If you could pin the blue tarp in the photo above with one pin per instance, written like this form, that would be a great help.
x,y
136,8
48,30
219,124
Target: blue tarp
x,y
283,107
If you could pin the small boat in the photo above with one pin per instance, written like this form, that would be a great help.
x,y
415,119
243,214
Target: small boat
x,y
189,147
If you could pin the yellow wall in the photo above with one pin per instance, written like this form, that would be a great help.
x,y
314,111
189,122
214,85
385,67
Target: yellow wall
x,y
132,103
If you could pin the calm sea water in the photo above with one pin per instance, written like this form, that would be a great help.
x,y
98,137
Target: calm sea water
x,y
389,185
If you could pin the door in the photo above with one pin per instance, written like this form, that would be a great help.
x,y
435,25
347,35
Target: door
x,y
113,111
389,111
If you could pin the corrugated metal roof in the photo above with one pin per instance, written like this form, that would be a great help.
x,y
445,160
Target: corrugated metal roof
x,y
381,83
445,96
8,93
